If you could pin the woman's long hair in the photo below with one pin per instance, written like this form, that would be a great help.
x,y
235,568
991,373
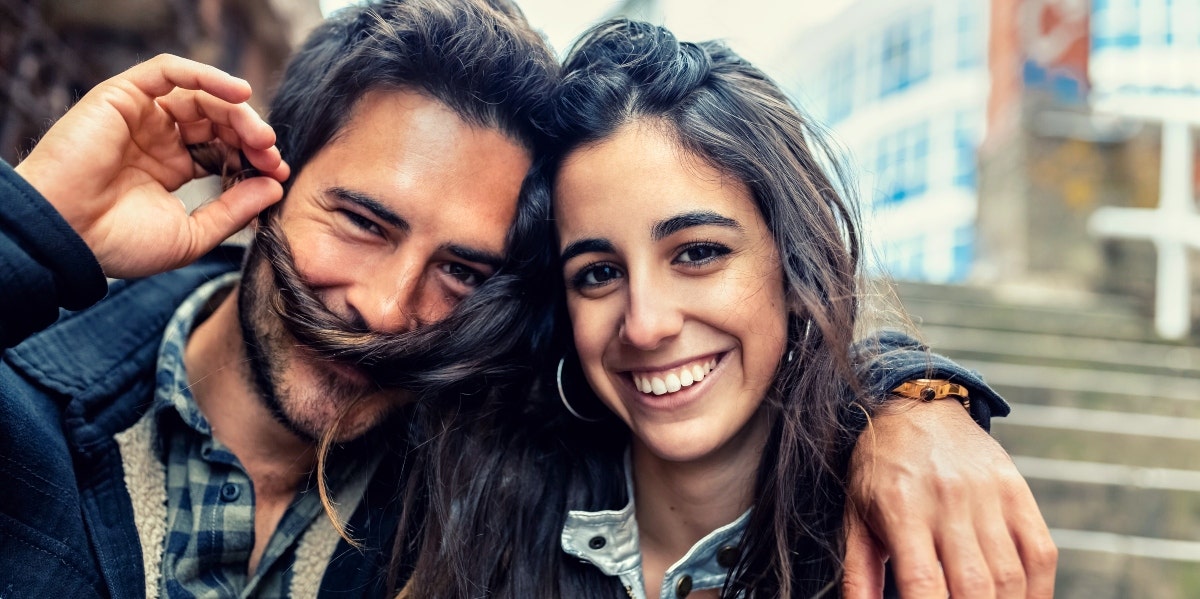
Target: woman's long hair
x,y
500,502
722,109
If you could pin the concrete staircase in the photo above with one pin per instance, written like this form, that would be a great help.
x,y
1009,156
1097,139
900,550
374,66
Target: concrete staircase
x,y
1105,427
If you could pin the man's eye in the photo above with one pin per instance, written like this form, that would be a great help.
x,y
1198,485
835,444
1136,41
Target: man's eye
x,y
464,274
595,275
362,222
701,253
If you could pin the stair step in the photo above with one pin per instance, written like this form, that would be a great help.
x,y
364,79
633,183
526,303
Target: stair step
x,y
1009,317
1087,571
1099,421
1106,542
1164,514
1060,350
1097,473
1110,448
1086,380
1110,402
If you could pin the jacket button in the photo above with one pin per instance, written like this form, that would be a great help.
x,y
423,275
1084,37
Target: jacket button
x,y
727,556
683,586
597,543
230,492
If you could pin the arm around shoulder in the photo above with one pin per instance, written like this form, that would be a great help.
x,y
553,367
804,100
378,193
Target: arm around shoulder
x,y
44,265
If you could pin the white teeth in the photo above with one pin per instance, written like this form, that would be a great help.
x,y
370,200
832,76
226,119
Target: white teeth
x,y
685,377
671,382
658,386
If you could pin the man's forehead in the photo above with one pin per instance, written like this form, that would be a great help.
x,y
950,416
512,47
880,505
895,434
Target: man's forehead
x,y
408,157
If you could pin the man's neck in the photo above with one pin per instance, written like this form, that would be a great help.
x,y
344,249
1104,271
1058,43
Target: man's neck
x,y
276,460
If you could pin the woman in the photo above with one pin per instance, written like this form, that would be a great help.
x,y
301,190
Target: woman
x,y
710,269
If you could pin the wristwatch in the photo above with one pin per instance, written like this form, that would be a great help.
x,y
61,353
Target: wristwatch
x,y
930,389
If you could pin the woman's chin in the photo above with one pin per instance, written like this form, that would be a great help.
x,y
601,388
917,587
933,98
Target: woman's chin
x,y
678,443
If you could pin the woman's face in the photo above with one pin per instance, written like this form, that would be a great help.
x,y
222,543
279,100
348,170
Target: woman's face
x,y
675,292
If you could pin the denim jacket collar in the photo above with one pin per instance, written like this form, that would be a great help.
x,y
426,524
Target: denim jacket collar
x,y
608,539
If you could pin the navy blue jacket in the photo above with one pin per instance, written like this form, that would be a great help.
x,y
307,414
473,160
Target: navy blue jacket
x,y
66,523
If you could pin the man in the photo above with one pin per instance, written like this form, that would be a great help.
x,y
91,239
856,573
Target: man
x,y
164,441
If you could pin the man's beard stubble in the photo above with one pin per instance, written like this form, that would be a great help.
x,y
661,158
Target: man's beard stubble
x,y
482,345
267,342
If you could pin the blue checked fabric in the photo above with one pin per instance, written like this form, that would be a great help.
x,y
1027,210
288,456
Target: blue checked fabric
x,y
210,498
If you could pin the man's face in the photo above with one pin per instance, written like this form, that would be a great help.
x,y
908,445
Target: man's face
x,y
397,219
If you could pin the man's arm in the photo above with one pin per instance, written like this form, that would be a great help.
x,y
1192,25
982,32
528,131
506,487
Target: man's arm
x,y
93,198
44,265
930,490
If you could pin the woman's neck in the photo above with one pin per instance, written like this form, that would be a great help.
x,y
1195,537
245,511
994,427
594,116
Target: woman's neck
x,y
679,503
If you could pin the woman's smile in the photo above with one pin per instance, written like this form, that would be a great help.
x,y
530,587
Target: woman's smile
x,y
670,379
672,387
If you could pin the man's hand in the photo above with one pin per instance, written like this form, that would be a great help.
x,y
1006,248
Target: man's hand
x,y
110,163
936,494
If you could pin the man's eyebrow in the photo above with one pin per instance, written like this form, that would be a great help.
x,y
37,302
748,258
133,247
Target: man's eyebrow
x,y
584,246
375,207
475,255
667,227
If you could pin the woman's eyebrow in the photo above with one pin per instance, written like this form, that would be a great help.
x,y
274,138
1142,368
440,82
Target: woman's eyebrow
x,y
667,227
584,246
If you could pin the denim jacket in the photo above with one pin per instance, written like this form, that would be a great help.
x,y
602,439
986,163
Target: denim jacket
x,y
608,539
66,518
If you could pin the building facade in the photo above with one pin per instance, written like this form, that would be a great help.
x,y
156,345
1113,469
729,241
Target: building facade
x,y
903,86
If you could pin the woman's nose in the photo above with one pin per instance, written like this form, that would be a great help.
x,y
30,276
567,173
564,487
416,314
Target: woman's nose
x,y
652,315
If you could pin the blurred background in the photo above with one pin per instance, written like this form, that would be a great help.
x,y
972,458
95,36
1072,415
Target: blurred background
x,y
1027,171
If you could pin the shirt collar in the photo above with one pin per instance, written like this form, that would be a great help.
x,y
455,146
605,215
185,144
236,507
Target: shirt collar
x,y
608,539
172,387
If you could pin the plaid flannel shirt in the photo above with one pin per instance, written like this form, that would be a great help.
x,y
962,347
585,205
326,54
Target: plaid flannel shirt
x,y
210,497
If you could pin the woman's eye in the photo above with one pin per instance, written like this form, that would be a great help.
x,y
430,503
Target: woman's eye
x,y
362,222
699,254
595,275
464,274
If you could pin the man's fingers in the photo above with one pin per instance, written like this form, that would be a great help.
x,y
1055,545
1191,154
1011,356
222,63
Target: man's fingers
x,y
203,118
1038,554
863,576
214,222
1008,573
249,129
967,572
915,565
269,163
159,75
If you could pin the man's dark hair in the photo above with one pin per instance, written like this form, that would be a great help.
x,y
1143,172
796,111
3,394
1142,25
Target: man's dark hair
x,y
480,59
484,62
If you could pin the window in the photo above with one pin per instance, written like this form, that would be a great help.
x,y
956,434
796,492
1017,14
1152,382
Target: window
x,y
966,145
841,86
905,54
1116,23
902,164
971,35
905,258
964,252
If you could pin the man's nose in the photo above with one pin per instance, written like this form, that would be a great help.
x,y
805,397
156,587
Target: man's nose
x,y
388,300
652,314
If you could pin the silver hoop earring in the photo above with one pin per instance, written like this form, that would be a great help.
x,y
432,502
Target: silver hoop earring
x,y
563,396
